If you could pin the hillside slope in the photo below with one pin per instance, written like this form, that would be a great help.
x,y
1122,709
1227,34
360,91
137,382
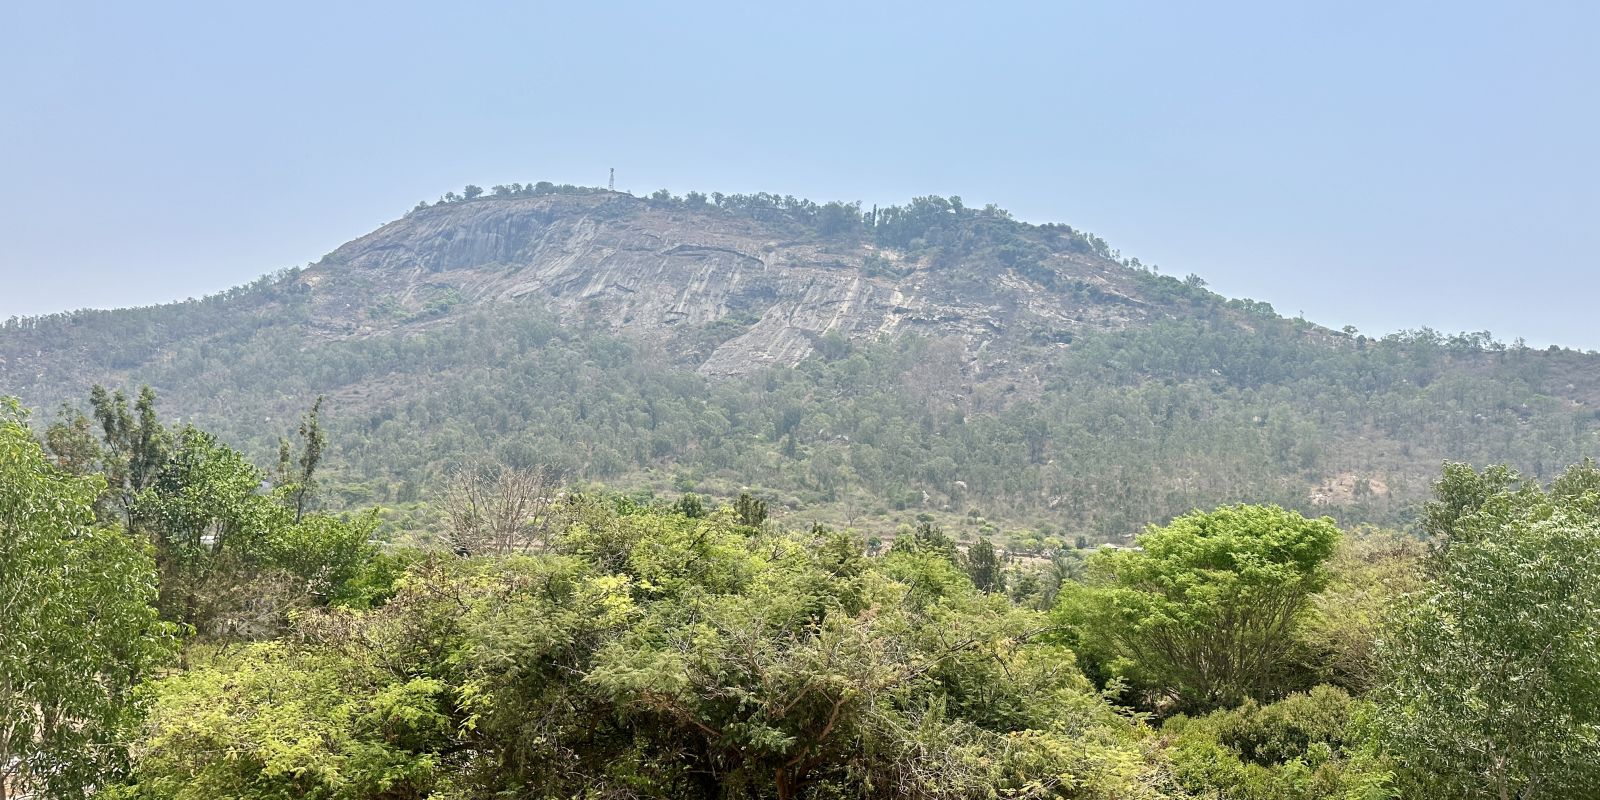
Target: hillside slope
x,y
866,367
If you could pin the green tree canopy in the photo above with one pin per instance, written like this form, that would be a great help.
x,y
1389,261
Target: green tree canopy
x,y
1203,611
78,628
1491,672
646,653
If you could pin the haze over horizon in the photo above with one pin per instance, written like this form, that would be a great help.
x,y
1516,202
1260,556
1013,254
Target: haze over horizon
x,y
1421,167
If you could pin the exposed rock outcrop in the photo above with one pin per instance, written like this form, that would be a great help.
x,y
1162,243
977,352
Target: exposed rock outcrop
x,y
652,269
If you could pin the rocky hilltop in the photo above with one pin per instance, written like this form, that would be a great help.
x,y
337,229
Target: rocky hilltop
x,y
655,268
867,366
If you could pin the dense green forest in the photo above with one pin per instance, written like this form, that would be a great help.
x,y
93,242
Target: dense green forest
x,y
182,622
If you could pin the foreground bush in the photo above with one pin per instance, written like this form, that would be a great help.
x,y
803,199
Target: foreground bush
x,y
1303,747
650,654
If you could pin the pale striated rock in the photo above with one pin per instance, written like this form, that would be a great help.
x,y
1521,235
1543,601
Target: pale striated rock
x,y
652,269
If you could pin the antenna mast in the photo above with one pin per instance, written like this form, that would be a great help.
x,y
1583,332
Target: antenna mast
x,y
611,185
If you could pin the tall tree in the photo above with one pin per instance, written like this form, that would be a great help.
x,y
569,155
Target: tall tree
x,y
210,526
983,566
133,444
77,622
1491,673
750,510
312,443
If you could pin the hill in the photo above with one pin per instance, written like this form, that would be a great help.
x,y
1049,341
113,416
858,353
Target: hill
x,y
859,365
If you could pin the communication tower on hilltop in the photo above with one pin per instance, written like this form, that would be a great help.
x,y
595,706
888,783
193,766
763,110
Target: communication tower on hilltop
x,y
611,185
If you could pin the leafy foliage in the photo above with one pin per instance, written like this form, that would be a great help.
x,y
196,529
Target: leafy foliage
x,y
231,557
1492,669
1204,611
77,626
1368,574
1302,747
628,647
275,721
649,653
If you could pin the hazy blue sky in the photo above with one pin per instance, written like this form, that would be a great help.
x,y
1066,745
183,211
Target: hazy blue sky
x,y
1385,164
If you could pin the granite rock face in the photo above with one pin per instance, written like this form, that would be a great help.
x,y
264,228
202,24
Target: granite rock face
x,y
651,270
718,292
